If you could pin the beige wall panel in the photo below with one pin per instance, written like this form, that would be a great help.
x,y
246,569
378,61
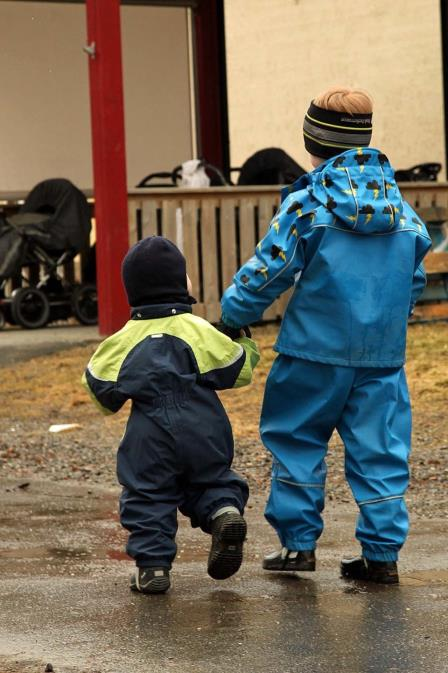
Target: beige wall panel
x,y
281,53
45,116
157,89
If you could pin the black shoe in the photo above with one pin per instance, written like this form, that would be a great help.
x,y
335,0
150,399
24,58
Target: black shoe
x,y
226,553
360,568
294,561
151,580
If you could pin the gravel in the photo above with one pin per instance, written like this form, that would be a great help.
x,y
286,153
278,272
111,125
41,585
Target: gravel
x,y
46,390
28,450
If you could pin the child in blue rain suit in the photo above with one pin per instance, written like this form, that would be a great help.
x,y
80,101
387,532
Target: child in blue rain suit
x,y
177,449
352,250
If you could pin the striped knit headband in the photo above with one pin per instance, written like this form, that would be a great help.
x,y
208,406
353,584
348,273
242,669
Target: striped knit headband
x,y
328,133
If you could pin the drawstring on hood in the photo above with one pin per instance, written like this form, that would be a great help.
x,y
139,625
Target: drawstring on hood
x,y
359,188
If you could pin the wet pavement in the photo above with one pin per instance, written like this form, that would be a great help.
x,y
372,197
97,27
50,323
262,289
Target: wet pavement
x,y
64,598
17,345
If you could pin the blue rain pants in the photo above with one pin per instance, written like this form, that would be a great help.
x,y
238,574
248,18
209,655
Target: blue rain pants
x,y
304,403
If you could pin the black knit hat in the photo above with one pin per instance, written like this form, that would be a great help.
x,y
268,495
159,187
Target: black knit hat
x,y
328,133
154,272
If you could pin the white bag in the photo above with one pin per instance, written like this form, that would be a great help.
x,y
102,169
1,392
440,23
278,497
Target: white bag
x,y
193,175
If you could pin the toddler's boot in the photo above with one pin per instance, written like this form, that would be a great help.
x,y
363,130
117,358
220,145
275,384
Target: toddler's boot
x,y
361,568
228,535
151,580
292,561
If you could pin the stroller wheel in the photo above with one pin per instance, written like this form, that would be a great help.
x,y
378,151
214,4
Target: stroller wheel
x,y
30,308
85,304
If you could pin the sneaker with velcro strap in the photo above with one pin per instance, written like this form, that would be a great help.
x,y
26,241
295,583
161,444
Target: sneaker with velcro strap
x,y
292,561
151,580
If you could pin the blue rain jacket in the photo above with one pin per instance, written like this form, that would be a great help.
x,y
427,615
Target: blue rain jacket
x,y
353,250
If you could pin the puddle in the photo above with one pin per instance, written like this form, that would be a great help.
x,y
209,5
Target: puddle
x,y
46,554
57,556
117,555
272,620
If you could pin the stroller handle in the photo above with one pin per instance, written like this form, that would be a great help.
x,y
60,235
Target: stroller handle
x,y
176,175
170,175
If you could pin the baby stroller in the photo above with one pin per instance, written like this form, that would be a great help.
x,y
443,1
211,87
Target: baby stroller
x,y
52,227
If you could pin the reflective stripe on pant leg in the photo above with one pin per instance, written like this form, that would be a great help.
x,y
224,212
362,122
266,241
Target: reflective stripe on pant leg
x,y
294,510
376,430
302,404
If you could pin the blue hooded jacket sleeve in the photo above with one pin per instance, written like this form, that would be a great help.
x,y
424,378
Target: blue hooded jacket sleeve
x,y
423,244
422,247
418,285
273,268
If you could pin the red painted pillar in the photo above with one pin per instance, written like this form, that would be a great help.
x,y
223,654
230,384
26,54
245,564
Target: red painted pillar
x,y
109,158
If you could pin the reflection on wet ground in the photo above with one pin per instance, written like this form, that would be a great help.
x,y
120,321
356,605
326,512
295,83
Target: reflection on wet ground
x,y
65,599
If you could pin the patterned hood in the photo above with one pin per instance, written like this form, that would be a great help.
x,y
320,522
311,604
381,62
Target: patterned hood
x,y
359,188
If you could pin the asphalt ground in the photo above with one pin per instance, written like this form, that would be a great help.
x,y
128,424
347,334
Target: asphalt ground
x,y
18,345
64,575
66,602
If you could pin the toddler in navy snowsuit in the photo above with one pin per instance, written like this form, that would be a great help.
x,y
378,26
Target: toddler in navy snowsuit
x,y
352,251
177,449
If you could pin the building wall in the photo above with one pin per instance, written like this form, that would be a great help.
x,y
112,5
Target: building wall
x,y
44,111
281,53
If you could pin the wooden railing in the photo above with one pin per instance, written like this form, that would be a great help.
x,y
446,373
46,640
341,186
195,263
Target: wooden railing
x,y
218,228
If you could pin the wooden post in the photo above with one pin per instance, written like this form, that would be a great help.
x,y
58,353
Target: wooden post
x,y
109,158
210,52
444,31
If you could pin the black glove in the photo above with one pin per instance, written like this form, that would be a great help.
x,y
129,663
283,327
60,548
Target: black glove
x,y
233,332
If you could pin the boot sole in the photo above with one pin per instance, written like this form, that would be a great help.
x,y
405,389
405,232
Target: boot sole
x,y
158,585
226,554
376,579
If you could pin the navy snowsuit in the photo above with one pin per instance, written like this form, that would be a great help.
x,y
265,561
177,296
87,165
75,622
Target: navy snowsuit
x,y
177,449
351,248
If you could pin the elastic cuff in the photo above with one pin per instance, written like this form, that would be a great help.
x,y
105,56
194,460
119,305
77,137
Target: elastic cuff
x,y
220,504
294,545
231,323
380,556
227,509
206,522
155,563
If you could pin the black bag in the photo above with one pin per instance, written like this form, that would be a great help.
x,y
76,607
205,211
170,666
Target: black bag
x,y
419,173
271,166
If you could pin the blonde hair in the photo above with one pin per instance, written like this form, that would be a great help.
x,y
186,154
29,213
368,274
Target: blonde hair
x,y
345,99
